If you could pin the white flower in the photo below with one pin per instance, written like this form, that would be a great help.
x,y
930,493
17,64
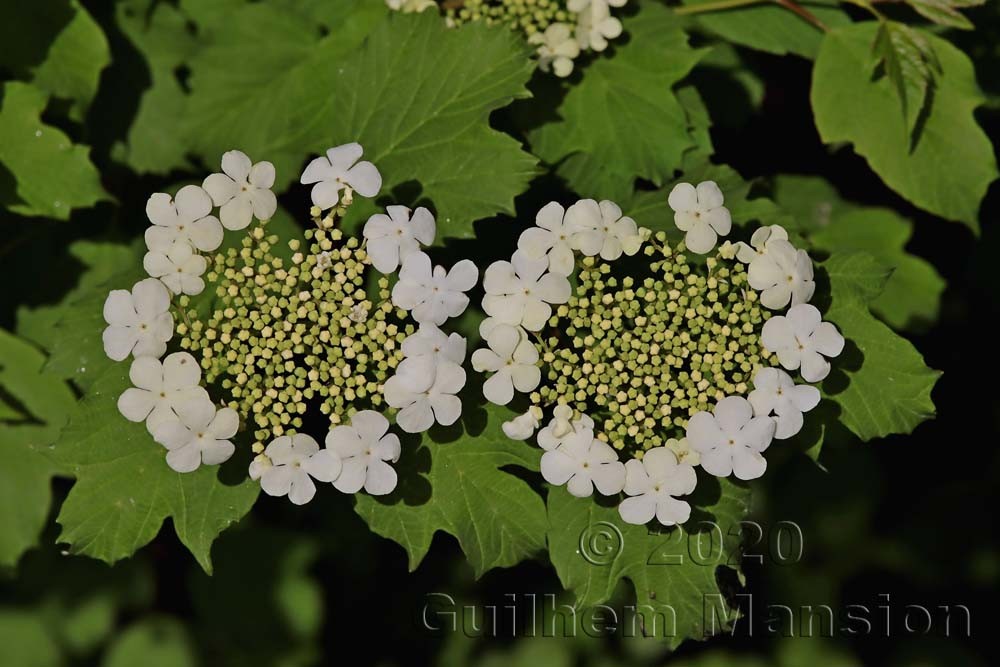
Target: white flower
x,y
289,465
758,242
653,484
338,170
595,26
433,295
561,426
682,450
393,237
557,47
601,229
775,391
523,426
424,389
364,447
242,191
730,439
513,361
429,341
162,390
179,268
199,434
550,237
584,462
700,213
801,339
782,274
139,322
519,292
183,219
410,6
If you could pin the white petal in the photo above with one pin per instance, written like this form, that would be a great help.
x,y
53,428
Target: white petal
x,y
136,404
352,476
380,479
262,175
206,234
718,461
814,366
160,210
119,309
609,478
683,197
636,478
364,178
417,417
703,432
701,238
180,370
193,203
236,164
732,413
670,511
423,226
302,488
709,195
324,465
748,464
216,452
119,342
220,187
150,297
557,467
370,425
827,340
265,204
638,510
237,213
185,459
384,252
276,481
499,389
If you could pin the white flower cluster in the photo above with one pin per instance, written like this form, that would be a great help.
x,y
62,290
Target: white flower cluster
x,y
731,438
561,43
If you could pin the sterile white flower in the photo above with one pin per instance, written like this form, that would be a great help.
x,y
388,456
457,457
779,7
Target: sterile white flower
x,y
185,218
162,390
424,389
243,190
519,292
557,47
365,446
579,5
801,340
339,169
512,359
599,228
179,268
758,242
139,322
522,426
392,237
653,485
433,294
730,439
551,237
775,392
782,274
561,426
595,26
682,450
199,434
429,341
700,213
410,6
289,465
583,462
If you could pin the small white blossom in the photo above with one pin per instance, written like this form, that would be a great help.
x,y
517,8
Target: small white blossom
x,y
730,439
782,274
599,228
595,26
775,392
583,462
393,237
682,450
513,361
653,485
561,426
433,294
290,463
429,341
340,169
557,47
551,237
183,219
198,435
139,322
162,390
242,190
801,340
424,389
758,242
519,292
365,447
699,212
523,426
410,6
179,268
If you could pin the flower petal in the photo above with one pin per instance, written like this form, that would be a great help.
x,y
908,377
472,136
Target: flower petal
x,y
324,465
236,165
638,510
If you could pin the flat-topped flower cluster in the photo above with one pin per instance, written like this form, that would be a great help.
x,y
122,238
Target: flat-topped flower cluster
x,y
646,370
292,333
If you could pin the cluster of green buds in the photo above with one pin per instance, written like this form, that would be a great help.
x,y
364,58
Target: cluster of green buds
x,y
526,16
297,332
640,356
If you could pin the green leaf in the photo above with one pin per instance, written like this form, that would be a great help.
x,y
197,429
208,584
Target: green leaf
x,y
880,381
52,175
945,12
57,46
771,28
152,642
125,490
26,640
622,121
950,163
907,59
41,402
453,480
672,570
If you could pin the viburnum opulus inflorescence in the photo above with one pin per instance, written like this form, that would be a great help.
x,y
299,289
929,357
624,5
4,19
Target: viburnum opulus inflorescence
x,y
560,30
287,336
651,366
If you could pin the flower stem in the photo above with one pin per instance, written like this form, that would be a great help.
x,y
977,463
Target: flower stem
x,y
718,5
